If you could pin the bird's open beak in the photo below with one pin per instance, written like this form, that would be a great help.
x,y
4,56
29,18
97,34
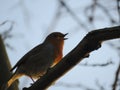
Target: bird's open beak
x,y
65,35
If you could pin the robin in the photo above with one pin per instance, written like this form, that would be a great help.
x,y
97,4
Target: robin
x,y
38,60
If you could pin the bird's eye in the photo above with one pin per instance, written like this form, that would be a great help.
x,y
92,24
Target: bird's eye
x,y
57,36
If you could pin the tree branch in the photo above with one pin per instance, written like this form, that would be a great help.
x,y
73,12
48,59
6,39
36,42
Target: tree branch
x,y
114,86
5,67
73,15
97,64
72,85
92,41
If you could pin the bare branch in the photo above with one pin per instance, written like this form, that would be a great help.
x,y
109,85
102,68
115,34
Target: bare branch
x,y
92,8
114,86
5,22
118,8
73,15
71,85
9,46
101,87
6,34
107,13
97,65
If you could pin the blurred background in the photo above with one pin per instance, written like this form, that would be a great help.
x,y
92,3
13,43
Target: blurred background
x,y
25,24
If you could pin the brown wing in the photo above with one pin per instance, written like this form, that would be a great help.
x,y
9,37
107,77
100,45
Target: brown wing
x,y
26,56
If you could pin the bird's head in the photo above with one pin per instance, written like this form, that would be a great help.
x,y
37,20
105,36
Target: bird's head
x,y
56,38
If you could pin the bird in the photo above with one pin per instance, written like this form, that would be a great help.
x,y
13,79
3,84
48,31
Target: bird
x,y
38,60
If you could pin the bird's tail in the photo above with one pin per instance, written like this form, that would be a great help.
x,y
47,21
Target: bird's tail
x,y
11,80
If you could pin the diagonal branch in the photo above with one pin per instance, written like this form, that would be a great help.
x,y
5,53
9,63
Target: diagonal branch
x,y
92,41
73,15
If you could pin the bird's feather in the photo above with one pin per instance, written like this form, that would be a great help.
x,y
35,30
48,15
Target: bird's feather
x,y
26,56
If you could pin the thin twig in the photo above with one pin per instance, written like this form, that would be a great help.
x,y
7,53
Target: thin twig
x,y
106,12
71,85
92,9
101,87
4,22
7,33
114,86
118,8
74,16
97,65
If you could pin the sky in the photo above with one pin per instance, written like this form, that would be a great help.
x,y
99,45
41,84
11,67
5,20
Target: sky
x,y
31,24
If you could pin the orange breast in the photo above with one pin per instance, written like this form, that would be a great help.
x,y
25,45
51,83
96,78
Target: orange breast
x,y
58,51
57,60
58,56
